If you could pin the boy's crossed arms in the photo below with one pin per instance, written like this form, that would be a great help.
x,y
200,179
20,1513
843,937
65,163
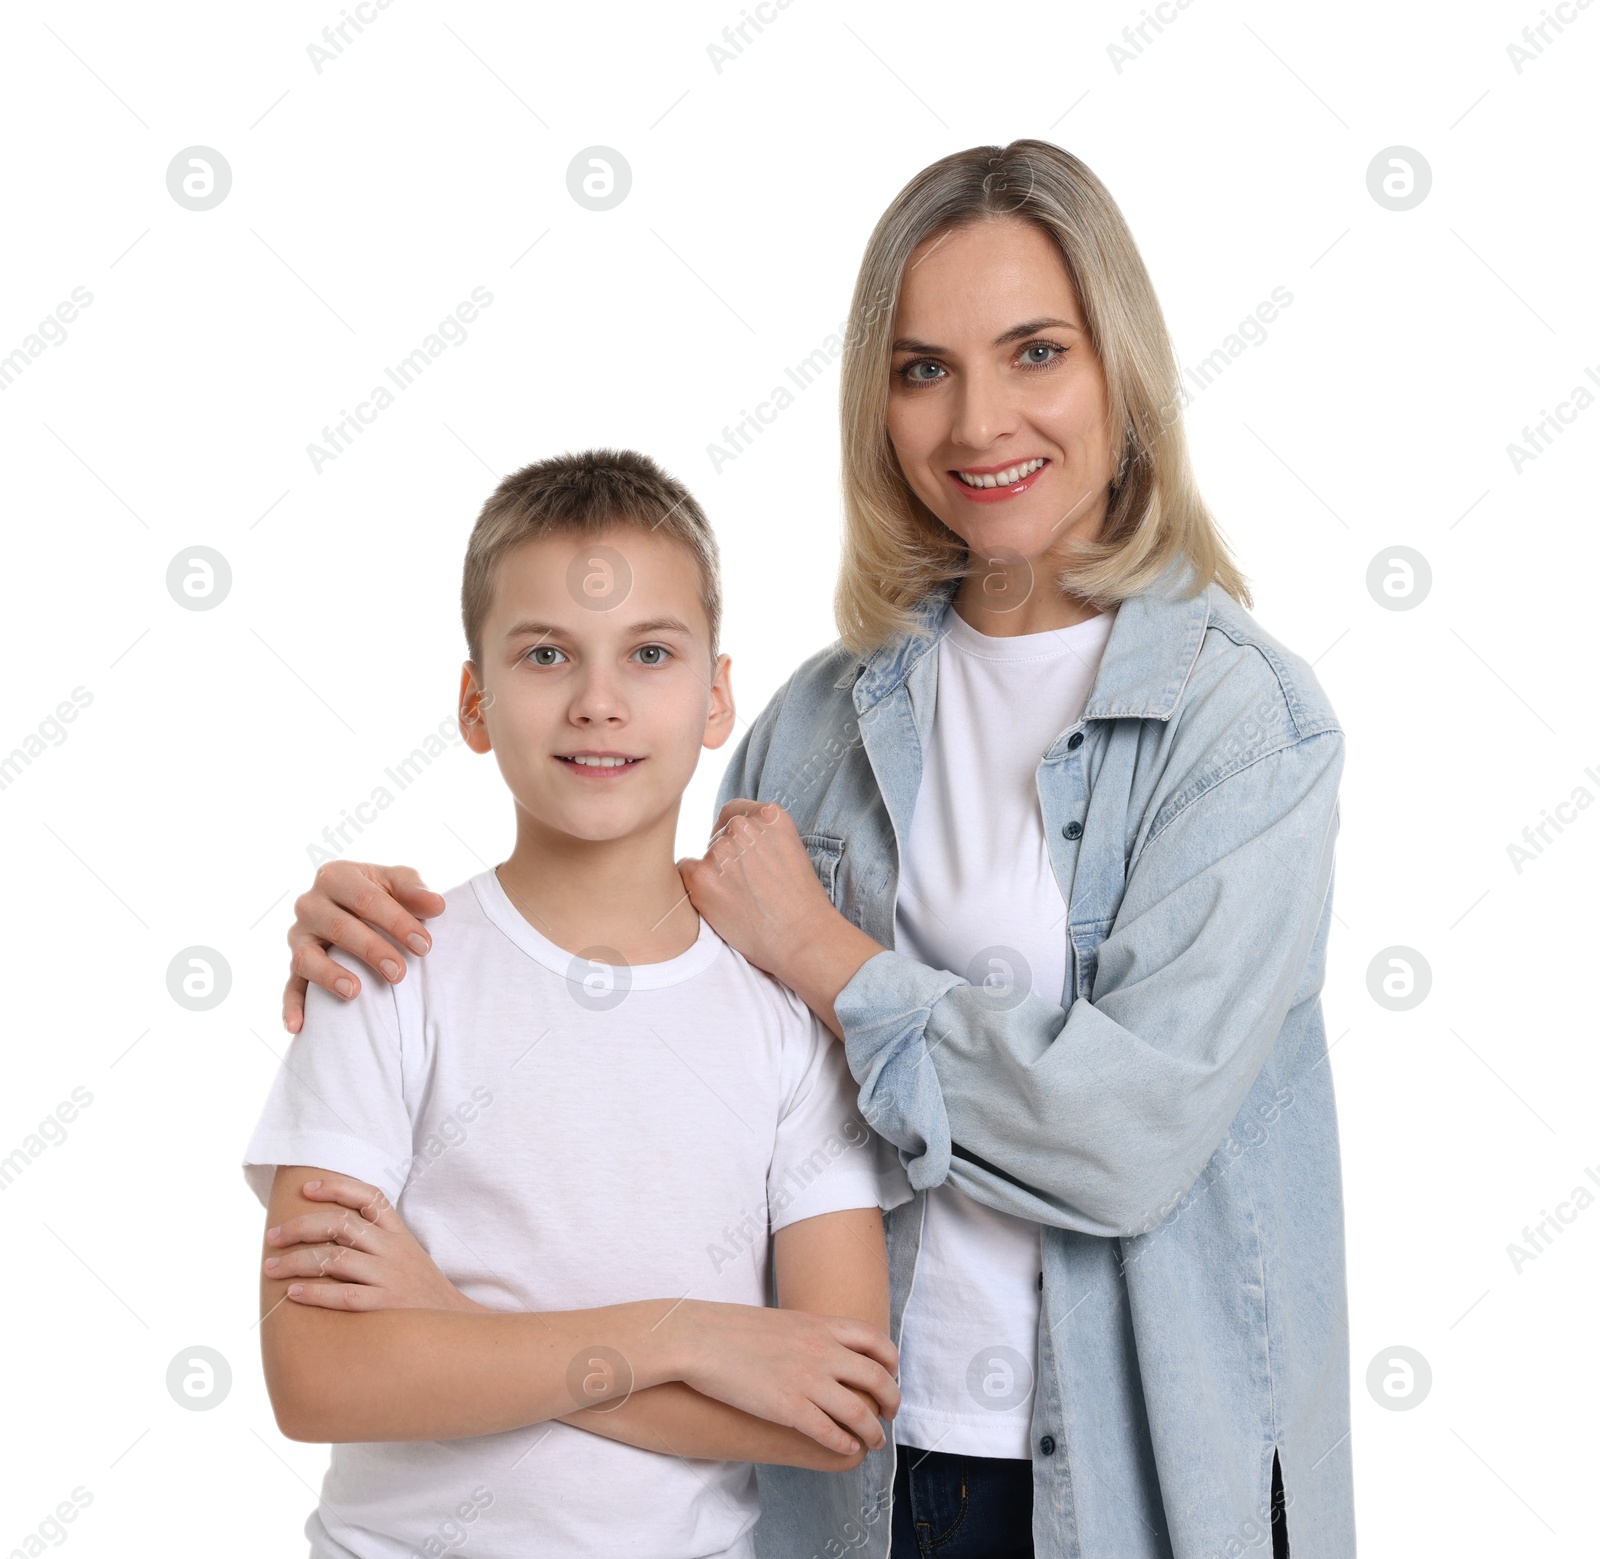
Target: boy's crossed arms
x,y
365,1339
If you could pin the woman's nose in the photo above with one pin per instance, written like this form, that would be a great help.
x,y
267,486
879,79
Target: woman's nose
x,y
982,411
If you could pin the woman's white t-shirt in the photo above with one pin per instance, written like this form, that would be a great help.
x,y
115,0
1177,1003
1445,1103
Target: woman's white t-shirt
x,y
978,896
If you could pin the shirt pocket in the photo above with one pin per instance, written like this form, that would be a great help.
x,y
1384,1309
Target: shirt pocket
x,y
825,851
1087,935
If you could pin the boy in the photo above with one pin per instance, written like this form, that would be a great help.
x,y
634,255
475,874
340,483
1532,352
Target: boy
x,y
587,1109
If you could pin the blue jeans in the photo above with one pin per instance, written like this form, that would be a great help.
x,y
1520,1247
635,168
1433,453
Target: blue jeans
x,y
961,1507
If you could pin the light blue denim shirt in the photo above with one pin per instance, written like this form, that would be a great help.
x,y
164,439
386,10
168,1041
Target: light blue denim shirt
x,y
1172,1129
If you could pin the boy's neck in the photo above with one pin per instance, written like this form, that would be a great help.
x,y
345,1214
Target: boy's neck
x,y
623,894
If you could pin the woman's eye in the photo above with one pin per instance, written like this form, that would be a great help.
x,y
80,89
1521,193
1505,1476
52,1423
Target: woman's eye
x,y
912,375
545,655
1040,346
653,654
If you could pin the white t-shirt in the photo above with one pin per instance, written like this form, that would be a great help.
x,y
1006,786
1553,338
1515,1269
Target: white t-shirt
x,y
561,1135
978,896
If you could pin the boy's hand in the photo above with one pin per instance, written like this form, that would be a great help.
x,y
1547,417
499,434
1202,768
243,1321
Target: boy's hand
x,y
793,1368
357,1254
343,896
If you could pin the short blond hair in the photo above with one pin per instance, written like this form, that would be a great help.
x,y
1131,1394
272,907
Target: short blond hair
x,y
895,550
584,494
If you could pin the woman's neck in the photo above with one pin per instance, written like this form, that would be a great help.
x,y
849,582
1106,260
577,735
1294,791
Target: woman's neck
x,y
1003,608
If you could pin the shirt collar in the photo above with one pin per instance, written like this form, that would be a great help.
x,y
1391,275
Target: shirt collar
x,y
1147,659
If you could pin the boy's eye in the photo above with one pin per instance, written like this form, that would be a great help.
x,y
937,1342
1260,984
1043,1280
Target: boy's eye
x,y
545,655
653,654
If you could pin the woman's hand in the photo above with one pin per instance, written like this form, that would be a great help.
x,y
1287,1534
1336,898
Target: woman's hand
x,y
757,887
357,1254
793,1368
342,897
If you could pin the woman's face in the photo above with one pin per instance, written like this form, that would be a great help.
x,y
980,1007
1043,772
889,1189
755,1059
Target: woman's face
x,y
997,401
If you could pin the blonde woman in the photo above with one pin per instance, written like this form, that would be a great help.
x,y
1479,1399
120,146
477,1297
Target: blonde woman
x,y
1046,840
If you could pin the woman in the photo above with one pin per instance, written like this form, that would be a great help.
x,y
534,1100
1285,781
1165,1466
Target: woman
x,y
1046,839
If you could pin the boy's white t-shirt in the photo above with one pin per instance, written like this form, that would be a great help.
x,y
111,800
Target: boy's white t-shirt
x,y
559,1135
977,890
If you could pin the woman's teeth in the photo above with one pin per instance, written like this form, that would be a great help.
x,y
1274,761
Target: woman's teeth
x,y
1002,478
602,763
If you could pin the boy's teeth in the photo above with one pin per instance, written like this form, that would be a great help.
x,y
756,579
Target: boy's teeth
x,y
1002,478
601,763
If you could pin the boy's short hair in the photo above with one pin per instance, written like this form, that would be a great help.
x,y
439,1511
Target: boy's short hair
x,y
584,494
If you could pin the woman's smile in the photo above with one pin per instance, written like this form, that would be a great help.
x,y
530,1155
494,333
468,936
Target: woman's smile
x,y
995,484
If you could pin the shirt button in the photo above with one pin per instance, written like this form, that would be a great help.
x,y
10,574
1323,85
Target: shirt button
x,y
1075,741
1047,1446
1072,831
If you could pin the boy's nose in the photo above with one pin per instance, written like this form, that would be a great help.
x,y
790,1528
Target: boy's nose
x,y
598,699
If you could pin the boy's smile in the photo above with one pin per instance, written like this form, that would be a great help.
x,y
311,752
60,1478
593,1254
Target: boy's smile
x,y
599,763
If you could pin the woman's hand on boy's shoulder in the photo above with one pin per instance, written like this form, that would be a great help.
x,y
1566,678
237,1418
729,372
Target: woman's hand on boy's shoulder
x,y
356,1253
758,888
345,901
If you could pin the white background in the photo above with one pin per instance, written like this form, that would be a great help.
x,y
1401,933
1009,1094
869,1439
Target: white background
x,y
368,200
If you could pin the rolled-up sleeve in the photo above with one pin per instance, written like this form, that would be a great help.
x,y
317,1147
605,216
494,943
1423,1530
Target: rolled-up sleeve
x,y
1095,1117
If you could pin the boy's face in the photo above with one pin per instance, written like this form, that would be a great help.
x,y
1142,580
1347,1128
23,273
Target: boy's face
x,y
597,650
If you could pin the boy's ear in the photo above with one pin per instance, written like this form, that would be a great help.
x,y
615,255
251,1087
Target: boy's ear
x,y
470,709
719,722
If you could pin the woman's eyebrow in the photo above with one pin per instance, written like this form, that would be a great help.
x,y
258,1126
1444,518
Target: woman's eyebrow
x,y
1016,333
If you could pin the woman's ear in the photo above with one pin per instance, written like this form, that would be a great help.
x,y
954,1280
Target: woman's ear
x,y
472,705
719,721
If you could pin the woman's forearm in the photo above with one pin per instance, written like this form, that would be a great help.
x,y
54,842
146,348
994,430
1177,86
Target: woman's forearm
x,y
441,1375
823,959
676,1420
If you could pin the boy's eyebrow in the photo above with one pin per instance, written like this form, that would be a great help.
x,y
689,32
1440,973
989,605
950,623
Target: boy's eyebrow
x,y
650,625
1015,333
663,625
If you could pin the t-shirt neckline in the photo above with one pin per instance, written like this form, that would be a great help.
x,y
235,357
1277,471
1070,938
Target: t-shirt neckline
x,y
1046,645
505,915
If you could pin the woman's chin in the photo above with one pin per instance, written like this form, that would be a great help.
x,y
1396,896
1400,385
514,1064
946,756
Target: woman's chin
x,y
1010,542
